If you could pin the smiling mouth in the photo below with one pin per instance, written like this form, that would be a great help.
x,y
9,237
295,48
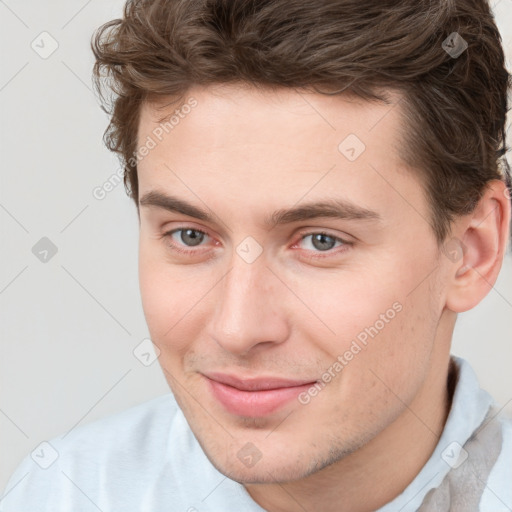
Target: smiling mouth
x,y
254,397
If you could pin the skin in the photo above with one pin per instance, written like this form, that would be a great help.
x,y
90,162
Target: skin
x,y
242,154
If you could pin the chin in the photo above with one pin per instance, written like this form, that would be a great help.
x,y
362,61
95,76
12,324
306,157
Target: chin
x,y
274,468
270,472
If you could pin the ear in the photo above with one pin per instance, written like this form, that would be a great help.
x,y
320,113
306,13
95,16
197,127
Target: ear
x,y
482,239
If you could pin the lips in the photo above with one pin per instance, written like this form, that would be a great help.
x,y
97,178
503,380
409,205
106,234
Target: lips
x,y
254,397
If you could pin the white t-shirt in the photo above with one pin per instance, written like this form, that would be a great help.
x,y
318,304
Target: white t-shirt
x,y
147,459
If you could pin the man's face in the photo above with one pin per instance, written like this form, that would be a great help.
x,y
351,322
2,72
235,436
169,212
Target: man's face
x,y
287,349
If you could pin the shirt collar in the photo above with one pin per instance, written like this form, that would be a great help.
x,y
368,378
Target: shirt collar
x,y
469,406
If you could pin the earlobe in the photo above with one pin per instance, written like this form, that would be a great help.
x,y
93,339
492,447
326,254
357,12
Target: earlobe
x,y
484,236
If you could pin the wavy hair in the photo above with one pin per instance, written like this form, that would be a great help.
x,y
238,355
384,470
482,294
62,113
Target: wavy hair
x,y
454,107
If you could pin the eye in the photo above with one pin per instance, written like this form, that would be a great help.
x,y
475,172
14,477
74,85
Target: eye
x,y
182,238
321,242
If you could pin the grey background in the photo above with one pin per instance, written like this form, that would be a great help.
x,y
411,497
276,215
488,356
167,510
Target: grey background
x,y
69,325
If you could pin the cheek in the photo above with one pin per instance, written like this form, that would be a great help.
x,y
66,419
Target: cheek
x,y
380,326
382,375
156,294
396,361
349,307
172,297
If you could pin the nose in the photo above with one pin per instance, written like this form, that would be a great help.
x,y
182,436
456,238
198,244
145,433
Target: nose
x,y
251,308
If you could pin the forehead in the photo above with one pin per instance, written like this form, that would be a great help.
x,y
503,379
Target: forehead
x,y
261,146
235,110
286,127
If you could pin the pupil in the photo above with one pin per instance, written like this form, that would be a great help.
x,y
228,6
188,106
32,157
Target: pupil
x,y
189,238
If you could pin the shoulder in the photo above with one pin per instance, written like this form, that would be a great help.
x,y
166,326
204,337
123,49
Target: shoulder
x,y
498,489
106,452
140,427
151,418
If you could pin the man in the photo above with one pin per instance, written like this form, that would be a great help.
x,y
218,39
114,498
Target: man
x,y
321,189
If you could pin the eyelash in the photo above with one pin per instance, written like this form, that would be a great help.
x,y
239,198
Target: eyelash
x,y
315,254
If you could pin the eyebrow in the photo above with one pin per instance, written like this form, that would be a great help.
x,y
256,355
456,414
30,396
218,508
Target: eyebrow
x,y
332,208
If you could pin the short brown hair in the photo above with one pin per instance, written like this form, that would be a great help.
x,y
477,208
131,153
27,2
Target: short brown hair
x,y
455,106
